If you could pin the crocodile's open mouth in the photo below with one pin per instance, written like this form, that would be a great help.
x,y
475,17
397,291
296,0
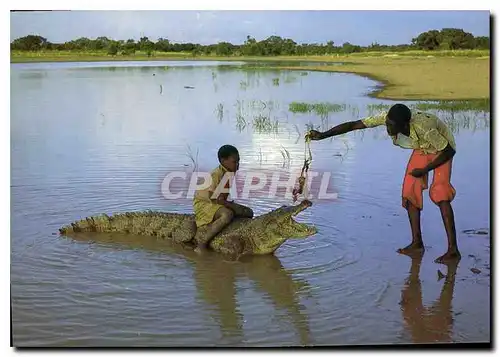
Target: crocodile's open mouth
x,y
301,207
300,230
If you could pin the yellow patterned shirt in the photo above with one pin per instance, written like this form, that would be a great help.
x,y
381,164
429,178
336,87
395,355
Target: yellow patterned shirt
x,y
204,208
427,132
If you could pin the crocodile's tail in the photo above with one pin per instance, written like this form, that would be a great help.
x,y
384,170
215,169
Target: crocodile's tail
x,y
176,226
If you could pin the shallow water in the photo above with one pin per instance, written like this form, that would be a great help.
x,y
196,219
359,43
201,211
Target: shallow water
x,y
88,139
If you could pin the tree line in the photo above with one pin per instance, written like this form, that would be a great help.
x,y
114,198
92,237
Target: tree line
x,y
445,39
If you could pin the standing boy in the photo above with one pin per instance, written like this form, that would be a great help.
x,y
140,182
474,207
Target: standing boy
x,y
433,148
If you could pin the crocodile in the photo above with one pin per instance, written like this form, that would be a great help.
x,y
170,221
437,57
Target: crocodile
x,y
243,236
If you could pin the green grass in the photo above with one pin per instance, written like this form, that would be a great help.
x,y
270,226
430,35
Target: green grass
x,y
373,109
477,106
321,109
422,53
480,105
258,114
264,124
25,56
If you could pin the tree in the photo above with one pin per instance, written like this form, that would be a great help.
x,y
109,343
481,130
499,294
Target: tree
x,y
223,49
482,43
429,40
129,47
349,48
445,39
145,45
251,47
29,43
457,38
113,49
330,47
162,45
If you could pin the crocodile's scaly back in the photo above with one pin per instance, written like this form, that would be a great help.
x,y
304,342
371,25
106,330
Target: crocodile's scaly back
x,y
254,236
174,226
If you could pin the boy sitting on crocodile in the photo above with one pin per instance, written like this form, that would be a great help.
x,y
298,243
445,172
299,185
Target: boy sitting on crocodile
x,y
212,210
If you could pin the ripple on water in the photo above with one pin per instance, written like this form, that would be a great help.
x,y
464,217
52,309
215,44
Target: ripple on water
x,y
111,156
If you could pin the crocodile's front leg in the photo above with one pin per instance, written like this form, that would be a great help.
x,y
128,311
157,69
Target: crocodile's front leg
x,y
185,232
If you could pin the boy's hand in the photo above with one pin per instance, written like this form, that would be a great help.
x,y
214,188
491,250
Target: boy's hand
x,y
222,200
313,135
419,172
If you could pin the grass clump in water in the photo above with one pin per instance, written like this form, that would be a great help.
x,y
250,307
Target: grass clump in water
x,y
321,109
193,157
296,107
241,122
479,105
450,106
220,111
263,123
377,108
286,156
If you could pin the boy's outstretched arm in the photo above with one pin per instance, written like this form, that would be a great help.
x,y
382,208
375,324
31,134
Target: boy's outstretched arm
x,y
368,122
336,130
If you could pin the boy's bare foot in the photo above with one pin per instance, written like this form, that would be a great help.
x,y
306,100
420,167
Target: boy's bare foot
x,y
187,245
201,248
449,256
413,248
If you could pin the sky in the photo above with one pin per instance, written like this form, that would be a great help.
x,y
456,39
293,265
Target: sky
x,y
206,27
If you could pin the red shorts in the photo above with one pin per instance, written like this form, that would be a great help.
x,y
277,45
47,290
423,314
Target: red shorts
x,y
441,188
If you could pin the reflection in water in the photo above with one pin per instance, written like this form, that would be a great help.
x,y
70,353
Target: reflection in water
x,y
433,323
272,279
216,281
216,285
126,136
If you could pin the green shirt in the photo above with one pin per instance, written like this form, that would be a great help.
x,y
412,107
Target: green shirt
x,y
427,132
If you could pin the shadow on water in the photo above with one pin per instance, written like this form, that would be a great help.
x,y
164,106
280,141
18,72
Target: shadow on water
x,y
432,323
216,280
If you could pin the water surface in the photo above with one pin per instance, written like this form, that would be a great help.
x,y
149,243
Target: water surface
x,y
88,139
